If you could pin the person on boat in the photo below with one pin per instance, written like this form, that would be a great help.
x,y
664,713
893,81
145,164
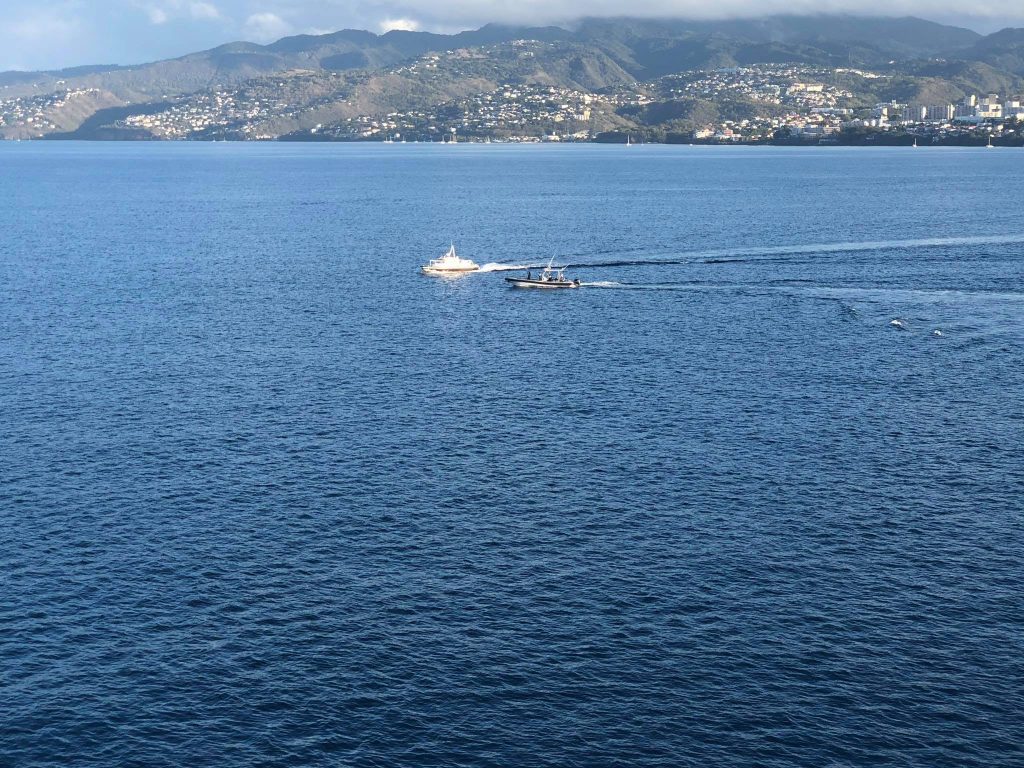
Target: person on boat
x,y
528,275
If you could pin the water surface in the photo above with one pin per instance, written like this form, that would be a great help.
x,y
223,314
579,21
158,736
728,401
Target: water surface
x,y
269,497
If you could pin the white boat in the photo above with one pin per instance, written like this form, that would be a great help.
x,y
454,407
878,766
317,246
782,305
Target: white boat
x,y
449,264
990,145
551,277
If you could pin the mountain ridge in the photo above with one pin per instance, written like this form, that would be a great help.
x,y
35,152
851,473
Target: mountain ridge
x,y
931,37
592,54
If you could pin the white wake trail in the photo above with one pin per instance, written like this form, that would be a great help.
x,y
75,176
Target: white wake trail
x,y
495,267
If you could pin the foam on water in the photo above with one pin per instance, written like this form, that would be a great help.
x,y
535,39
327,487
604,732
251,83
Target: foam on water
x,y
495,267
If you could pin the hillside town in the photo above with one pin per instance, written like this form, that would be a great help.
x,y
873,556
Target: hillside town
x,y
973,118
753,104
242,113
798,104
207,111
808,105
799,88
36,114
511,112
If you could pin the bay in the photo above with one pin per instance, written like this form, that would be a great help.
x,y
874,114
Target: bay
x,y
270,497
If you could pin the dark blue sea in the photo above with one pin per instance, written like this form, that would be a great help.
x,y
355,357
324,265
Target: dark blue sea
x,y
269,497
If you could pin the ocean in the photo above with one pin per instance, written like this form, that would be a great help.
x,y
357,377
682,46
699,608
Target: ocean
x,y
269,497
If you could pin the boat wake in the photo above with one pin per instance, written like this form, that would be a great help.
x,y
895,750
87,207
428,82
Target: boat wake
x,y
783,253
691,286
495,267
844,294
788,252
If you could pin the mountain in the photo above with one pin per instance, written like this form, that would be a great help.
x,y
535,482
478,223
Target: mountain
x,y
237,62
645,48
1002,50
304,81
653,48
906,37
303,99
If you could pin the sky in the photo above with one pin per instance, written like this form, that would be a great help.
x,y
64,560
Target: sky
x,y
47,34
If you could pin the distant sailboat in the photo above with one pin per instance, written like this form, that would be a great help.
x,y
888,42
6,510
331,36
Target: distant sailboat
x,y
914,145
629,140
990,145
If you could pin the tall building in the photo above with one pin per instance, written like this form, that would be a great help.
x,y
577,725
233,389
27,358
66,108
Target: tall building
x,y
914,113
927,113
891,111
939,113
989,108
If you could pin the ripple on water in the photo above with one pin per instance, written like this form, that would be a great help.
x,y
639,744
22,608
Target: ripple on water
x,y
270,497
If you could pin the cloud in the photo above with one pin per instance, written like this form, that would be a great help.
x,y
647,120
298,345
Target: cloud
x,y
406,25
197,10
527,9
26,32
47,26
265,27
203,11
463,14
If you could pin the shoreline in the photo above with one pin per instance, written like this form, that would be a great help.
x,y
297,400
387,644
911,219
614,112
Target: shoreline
x,y
900,142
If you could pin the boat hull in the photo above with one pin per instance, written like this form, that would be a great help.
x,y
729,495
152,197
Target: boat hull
x,y
448,272
547,285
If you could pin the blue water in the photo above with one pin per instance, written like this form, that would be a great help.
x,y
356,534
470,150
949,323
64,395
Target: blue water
x,y
269,497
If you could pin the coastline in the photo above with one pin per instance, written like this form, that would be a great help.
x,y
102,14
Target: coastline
x,y
873,140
